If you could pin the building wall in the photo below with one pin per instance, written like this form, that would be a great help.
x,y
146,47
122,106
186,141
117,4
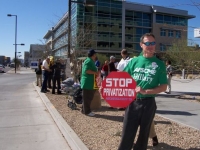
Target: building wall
x,y
112,25
2,60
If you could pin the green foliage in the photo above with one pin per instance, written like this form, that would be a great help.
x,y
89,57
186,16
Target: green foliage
x,y
17,62
102,58
183,56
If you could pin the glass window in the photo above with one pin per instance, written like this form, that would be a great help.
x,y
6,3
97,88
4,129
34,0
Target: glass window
x,y
170,33
178,34
167,19
175,20
116,11
146,16
138,15
129,13
162,47
162,32
182,21
129,45
159,18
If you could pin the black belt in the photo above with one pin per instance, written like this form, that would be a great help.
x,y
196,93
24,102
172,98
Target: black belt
x,y
144,98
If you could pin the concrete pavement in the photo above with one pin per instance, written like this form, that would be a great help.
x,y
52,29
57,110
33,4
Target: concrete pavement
x,y
25,122
186,112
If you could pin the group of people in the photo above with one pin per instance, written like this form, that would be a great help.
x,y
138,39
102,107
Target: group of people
x,y
141,111
49,73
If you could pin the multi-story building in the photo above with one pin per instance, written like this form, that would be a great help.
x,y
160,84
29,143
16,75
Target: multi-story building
x,y
37,51
26,58
111,25
2,60
56,38
7,60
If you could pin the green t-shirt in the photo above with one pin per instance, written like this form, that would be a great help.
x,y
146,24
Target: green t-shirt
x,y
147,72
88,80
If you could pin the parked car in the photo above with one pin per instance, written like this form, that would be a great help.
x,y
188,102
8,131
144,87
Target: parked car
x,y
2,68
12,65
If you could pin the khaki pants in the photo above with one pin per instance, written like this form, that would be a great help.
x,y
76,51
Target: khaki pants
x,y
169,78
152,132
38,77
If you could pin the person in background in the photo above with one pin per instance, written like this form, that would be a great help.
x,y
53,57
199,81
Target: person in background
x,y
104,70
97,64
45,73
111,64
38,72
124,61
50,76
169,75
150,76
56,71
89,71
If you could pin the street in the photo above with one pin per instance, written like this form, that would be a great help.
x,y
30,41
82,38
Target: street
x,y
6,70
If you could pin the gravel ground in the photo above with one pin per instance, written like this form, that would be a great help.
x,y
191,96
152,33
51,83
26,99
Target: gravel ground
x,y
103,131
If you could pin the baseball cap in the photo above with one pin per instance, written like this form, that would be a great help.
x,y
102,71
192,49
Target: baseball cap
x,y
112,57
91,52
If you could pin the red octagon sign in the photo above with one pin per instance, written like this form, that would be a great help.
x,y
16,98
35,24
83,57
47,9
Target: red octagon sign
x,y
118,89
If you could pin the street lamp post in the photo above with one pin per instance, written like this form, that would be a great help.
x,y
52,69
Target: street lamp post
x,y
10,15
22,44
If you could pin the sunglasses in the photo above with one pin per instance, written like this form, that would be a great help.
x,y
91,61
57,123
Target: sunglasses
x,y
149,43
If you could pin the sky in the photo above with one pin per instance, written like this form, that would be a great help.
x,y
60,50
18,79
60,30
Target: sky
x,y
36,17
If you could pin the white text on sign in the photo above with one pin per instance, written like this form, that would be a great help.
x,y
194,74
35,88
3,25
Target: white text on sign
x,y
118,82
118,92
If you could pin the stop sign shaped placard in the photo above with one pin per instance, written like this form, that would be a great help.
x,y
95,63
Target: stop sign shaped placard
x,y
118,89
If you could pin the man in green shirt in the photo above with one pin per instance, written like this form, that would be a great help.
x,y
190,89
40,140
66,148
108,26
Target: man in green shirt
x,y
150,74
88,81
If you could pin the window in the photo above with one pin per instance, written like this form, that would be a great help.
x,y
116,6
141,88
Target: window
x,y
178,34
162,47
159,18
162,32
170,33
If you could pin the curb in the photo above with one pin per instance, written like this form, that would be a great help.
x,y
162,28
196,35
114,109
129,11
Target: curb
x,y
70,136
178,122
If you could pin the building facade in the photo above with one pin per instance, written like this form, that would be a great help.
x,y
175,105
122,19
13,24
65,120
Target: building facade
x,y
56,38
26,58
37,51
2,60
111,25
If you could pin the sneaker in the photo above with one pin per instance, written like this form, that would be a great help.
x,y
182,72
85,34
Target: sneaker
x,y
155,141
91,114
42,91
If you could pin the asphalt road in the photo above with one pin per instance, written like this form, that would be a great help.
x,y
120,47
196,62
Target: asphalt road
x,y
6,70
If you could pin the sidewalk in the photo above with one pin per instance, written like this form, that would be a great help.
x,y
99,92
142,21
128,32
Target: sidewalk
x,y
25,123
181,111
29,121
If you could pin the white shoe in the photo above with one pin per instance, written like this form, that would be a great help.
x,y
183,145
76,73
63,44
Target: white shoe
x,y
91,114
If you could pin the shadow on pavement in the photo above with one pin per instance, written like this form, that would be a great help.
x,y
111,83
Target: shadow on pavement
x,y
178,93
184,113
113,118
164,146
162,122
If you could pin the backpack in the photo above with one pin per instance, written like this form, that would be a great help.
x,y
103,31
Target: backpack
x,y
38,71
